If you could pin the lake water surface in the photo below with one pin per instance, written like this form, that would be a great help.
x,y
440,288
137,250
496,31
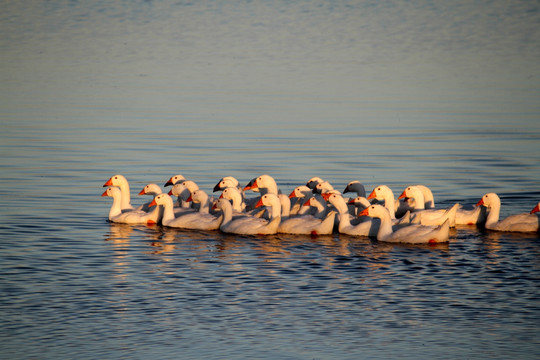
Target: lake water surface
x,y
441,94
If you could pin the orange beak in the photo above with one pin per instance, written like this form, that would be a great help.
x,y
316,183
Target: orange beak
x,y
326,196
104,193
108,183
403,195
259,203
536,209
292,194
189,199
481,202
153,203
351,202
221,196
142,192
364,212
170,192
372,195
251,185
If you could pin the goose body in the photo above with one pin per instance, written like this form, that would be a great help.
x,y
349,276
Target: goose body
x,y
181,206
121,182
196,220
117,215
365,228
249,225
429,216
308,225
525,222
411,234
476,215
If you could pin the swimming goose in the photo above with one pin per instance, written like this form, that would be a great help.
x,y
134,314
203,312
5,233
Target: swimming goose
x,y
250,225
411,234
117,215
365,228
429,216
196,220
121,182
525,222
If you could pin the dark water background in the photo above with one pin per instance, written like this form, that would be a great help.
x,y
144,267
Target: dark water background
x,y
442,94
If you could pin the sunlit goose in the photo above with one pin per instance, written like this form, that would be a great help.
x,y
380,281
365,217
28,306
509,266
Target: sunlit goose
x,y
201,198
312,183
150,189
429,216
476,215
235,196
319,206
225,182
250,225
518,223
365,228
183,194
384,193
356,187
121,182
298,197
412,234
193,220
308,225
174,179
359,203
117,215
265,184
323,187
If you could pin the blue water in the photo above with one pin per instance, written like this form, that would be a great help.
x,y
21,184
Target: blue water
x,y
442,94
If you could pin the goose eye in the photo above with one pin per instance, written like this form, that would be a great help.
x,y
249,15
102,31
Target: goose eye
x,y
378,188
116,178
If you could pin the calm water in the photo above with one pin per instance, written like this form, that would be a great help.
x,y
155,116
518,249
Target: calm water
x,y
385,93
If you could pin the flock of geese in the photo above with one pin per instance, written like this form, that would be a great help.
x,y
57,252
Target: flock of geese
x,y
312,209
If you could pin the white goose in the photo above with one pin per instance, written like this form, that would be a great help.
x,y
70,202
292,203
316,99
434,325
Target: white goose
x,y
250,225
298,197
183,194
174,179
474,216
517,223
121,182
365,228
308,225
323,187
225,182
402,205
150,189
359,203
199,220
384,193
117,215
412,234
235,196
429,216
265,184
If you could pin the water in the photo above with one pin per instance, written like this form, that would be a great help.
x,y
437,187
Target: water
x,y
385,93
